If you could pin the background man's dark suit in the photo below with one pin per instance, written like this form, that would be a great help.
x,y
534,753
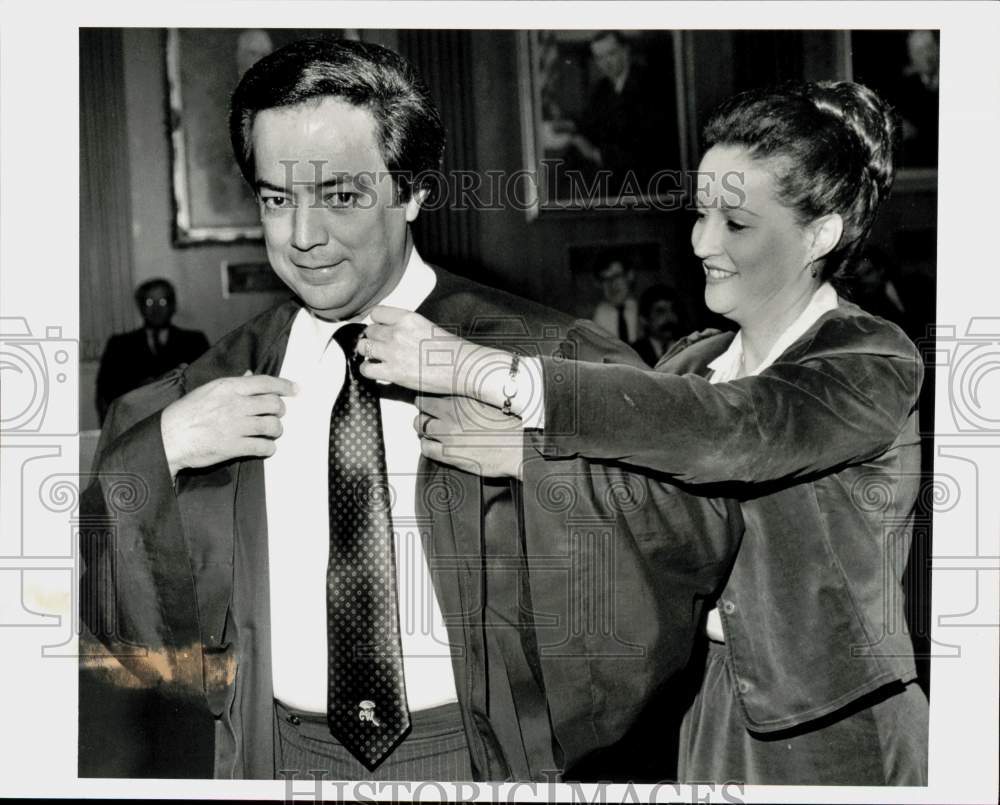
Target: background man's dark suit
x,y
190,571
128,361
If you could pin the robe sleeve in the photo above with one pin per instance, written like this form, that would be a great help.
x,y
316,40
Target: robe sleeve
x,y
137,591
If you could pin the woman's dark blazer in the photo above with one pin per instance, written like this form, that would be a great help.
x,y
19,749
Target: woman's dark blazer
x,y
822,452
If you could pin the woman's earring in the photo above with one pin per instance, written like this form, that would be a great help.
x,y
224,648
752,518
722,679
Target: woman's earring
x,y
813,270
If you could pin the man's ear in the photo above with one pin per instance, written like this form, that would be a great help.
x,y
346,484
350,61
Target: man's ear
x,y
826,232
413,206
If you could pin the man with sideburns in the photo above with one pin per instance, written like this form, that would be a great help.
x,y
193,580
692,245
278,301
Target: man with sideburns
x,y
337,601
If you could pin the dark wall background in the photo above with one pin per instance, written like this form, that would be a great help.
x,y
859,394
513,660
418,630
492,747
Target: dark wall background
x,y
473,75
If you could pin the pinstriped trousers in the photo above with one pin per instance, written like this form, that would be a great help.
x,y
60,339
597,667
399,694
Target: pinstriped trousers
x,y
435,749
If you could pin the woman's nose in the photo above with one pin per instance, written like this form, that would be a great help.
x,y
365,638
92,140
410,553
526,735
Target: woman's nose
x,y
705,238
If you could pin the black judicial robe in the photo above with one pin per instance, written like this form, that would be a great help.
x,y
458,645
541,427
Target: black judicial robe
x,y
569,600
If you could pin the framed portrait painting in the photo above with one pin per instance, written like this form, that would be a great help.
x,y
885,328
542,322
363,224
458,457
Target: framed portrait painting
x,y
212,202
604,119
902,66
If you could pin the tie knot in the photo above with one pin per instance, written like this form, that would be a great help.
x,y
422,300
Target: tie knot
x,y
347,337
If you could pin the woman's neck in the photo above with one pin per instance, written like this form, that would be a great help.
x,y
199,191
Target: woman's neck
x,y
762,331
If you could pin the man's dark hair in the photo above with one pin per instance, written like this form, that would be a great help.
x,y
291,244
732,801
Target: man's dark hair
x,y
144,289
408,128
606,259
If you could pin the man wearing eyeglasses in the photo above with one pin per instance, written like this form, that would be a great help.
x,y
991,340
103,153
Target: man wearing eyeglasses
x,y
132,359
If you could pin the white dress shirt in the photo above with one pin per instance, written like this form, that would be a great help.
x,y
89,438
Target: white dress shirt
x,y
727,367
298,521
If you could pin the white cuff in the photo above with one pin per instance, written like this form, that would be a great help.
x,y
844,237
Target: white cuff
x,y
529,401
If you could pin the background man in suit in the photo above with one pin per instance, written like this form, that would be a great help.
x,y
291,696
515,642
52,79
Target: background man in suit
x,y
134,358
659,323
618,311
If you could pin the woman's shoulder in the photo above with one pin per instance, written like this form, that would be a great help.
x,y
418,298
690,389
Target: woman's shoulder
x,y
850,329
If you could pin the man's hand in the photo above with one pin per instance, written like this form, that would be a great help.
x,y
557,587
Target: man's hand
x,y
231,417
471,436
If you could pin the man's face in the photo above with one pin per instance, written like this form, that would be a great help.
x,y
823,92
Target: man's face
x,y
924,52
611,56
251,47
616,283
157,307
334,232
662,321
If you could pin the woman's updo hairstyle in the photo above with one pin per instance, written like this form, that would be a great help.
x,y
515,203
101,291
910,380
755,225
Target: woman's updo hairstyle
x,y
830,146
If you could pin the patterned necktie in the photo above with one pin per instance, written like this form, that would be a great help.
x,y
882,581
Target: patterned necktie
x,y
366,696
622,325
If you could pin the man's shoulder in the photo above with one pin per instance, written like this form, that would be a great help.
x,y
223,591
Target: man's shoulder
x,y
479,309
126,338
137,404
692,353
257,345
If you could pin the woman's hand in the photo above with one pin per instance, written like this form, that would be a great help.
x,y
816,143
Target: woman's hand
x,y
406,349
471,436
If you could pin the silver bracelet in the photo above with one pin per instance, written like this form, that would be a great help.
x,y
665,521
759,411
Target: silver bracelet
x,y
515,360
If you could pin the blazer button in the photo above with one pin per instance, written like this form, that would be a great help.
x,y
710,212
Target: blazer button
x,y
743,685
294,719
729,607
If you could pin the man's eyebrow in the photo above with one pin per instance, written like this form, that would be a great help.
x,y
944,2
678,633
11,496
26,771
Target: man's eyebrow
x,y
336,181
333,181
261,184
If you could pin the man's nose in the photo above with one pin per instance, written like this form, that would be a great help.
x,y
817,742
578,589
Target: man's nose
x,y
309,228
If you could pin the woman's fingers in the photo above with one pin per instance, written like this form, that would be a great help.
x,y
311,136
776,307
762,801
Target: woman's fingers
x,y
433,405
384,314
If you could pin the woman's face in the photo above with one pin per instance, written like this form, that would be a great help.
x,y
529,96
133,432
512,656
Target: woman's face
x,y
754,253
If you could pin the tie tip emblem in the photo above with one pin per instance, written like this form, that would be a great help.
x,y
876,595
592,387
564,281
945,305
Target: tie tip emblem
x,y
366,712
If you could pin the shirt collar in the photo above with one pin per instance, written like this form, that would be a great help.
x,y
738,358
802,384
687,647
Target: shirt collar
x,y
414,286
727,366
